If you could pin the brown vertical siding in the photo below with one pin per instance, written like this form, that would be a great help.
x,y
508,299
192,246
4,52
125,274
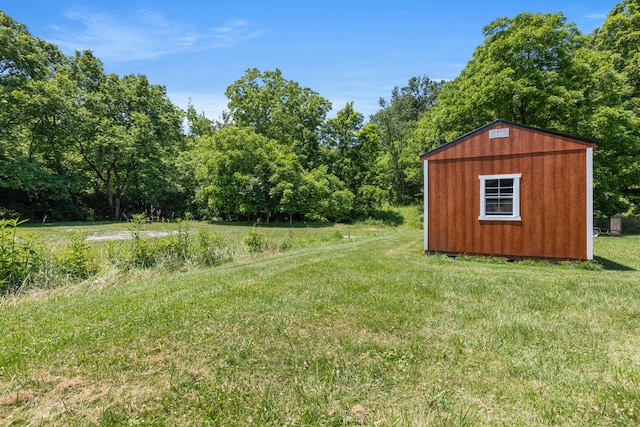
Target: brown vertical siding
x,y
547,200
552,196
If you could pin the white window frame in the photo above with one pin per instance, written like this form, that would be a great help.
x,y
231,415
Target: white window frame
x,y
515,215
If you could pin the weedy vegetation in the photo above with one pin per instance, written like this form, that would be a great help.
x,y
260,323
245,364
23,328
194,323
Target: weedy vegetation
x,y
330,331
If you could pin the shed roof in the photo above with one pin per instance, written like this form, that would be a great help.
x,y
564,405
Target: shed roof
x,y
437,152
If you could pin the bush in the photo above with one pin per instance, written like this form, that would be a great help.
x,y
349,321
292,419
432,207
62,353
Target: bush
x,y
76,260
177,250
20,259
255,241
211,248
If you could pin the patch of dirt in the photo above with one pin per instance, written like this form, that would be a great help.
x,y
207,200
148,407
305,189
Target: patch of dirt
x,y
19,397
65,399
358,413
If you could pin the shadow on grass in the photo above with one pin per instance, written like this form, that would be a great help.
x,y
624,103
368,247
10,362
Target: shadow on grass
x,y
607,264
36,224
274,224
386,217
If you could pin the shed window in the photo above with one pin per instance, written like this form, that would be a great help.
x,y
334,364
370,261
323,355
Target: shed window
x,y
500,197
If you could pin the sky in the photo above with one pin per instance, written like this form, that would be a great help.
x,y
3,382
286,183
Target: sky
x,y
346,51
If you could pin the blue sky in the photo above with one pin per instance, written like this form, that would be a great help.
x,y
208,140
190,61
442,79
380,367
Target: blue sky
x,y
344,50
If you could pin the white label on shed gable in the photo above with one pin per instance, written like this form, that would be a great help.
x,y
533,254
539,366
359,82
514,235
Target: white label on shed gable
x,y
499,133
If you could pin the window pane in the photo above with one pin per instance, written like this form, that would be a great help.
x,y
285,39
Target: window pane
x,y
492,206
499,197
498,206
506,206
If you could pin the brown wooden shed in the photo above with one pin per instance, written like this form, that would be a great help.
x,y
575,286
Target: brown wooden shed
x,y
510,190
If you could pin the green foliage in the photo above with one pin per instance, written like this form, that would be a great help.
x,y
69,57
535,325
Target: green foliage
x,y
181,240
76,260
137,252
235,169
211,248
126,132
255,241
181,248
20,258
524,72
325,196
68,132
614,56
242,174
397,161
280,110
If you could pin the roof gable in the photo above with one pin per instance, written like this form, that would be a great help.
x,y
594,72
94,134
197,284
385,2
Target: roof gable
x,y
503,138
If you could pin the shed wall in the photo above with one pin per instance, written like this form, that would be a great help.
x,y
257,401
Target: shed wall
x,y
553,201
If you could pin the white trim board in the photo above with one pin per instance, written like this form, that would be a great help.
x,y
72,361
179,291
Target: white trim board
x,y
426,205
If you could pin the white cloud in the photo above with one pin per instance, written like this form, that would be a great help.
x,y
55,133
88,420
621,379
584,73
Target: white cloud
x,y
144,34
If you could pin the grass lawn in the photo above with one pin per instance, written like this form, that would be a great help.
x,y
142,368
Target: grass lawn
x,y
366,332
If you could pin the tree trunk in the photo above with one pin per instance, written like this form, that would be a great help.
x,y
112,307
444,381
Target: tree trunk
x,y
116,204
118,195
116,208
109,190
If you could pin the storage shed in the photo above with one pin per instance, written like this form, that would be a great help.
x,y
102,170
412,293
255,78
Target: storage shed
x,y
510,190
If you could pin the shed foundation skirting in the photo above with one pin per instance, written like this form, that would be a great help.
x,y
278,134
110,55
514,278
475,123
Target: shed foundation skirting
x,y
505,257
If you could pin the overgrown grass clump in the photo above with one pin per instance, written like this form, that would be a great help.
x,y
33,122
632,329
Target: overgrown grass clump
x,y
181,248
27,262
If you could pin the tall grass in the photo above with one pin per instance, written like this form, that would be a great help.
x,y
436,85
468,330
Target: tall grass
x,y
44,257
20,257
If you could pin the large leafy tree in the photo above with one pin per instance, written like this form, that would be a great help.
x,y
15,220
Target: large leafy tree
x,y
614,55
242,173
66,127
525,71
341,138
325,196
620,38
539,70
35,176
395,122
126,131
281,110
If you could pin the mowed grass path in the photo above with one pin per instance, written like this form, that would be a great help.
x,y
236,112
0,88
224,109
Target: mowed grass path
x,y
369,332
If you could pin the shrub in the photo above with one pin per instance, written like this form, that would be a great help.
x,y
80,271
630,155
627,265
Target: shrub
x,y
255,241
211,248
20,259
76,260
178,250
138,252
287,243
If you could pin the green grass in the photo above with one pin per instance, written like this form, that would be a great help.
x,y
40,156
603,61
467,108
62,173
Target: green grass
x,y
367,332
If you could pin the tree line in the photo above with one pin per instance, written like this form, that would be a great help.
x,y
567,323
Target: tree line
x,y
76,142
